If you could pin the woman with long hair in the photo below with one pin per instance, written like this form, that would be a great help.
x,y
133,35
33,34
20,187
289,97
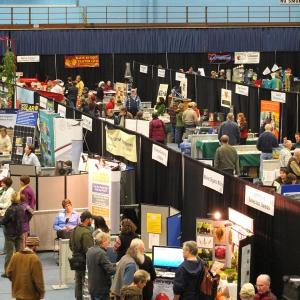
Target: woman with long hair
x,y
243,126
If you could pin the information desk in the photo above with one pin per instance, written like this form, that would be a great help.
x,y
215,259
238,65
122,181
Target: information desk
x,y
207,148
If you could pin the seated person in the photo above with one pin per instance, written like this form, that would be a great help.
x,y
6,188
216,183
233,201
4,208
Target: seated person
x,y
291,178
5,142
29,158
281,179
66,220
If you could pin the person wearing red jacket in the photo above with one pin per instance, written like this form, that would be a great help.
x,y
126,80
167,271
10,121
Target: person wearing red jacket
x,y
110,104
157,130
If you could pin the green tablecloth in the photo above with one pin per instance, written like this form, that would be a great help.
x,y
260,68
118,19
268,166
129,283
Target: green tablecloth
x,y
249,160
209,148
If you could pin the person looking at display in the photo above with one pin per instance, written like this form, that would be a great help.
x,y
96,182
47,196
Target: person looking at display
x,y
160,106
66,220
28,192
133,102
29,157
5,142
243,126
6,193
189,117
294,163
231,129
263,283
99,223
157,129
285,153
247,292
189,273
110,104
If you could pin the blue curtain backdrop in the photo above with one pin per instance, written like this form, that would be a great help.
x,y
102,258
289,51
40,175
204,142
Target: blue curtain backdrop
x,y
154,40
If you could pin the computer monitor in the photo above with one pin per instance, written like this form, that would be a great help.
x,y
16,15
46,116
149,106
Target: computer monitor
x,y
166,257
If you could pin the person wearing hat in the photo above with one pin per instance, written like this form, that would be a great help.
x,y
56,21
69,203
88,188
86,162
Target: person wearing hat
x,y
81,240
247,292
25,272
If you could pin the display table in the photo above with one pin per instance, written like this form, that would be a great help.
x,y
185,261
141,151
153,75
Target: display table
x,y
207,148
194,138
249,158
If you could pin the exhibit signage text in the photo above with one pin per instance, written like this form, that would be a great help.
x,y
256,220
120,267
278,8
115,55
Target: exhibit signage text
x,y
242,90
278,96
160,154
213,180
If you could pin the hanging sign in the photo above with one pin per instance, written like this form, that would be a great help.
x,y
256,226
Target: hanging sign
x,y
28,58
242,90
278,96
144,69
219,58
87,123
43,102
289,2
259,200
179,76
213,180
160,154
162,91
246,57
61,110
226,98
161,73
82,61
27,118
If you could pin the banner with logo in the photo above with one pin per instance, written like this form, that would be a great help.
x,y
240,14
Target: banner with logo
x,y
246,57
82,61
121,144
219,58
270,114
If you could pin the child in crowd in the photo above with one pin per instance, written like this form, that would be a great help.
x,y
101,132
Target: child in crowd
x,y
135,290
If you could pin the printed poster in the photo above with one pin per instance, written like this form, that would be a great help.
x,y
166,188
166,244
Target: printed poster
x,y
153,223
121,144
120,89
226,98
270,114
82,61
162,91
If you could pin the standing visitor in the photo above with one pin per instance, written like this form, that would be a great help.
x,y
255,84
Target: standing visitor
x,y
247,292
263,283
294,164
285,153
5,142
133,102
157,129
26,273
179,130
243,126
80,86
160,106
81,240
189,117
231,129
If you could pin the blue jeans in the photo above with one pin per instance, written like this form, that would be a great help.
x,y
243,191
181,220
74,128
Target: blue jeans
x,y
96,296
263,156
178,135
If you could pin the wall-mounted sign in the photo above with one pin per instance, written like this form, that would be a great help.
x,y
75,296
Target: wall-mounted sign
x,y
259,200
242,90
246,57
226,98
161,73
213,180
82,61
179,76
240,219
87,123
144,69
61,110
28,58
278,96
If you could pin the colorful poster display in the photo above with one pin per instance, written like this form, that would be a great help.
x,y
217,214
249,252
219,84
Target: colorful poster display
x,y
23,96
27,118
162,91
47,138
121,144
219,58
226,96
153,223
270,114
82,61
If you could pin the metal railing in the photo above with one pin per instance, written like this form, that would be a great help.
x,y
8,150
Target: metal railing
x,y
148,14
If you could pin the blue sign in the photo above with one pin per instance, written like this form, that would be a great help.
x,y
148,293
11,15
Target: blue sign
x,y
27,118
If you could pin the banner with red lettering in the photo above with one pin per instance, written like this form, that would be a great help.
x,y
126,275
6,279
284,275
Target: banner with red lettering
x,y
82,61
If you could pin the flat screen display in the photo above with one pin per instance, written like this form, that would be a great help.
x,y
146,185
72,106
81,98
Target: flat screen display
x,y
166,257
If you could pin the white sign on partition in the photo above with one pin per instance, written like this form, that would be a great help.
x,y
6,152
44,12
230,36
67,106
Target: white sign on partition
x,y
245,264
28,58
61,110
179,76
278,96
43,102
226,98
213,180
143,127
240,219
144,69
246,57
160,154
259,200
87,123
161,73
201,71
242,90
131,124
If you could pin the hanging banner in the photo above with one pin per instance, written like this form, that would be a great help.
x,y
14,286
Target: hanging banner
x,y
28,58
47,138
121,144
160,154
242,90
270,114
161,73
289,2
144,69
179,76
259,200
226,98
27,118
61,110
162,91
219,58
87,123
82,61
213,180
278,96
246,57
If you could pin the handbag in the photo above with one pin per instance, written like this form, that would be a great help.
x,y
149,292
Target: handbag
x,y
78,260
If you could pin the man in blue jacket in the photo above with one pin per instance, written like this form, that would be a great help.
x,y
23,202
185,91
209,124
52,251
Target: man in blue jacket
x,y
231,129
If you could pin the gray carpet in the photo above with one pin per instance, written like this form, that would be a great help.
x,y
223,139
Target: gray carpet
x,y
50,270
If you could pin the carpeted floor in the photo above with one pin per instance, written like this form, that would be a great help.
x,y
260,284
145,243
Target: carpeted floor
x,y
51,277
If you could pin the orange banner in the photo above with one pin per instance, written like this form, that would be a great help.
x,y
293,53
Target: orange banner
x,y
82,61
270,114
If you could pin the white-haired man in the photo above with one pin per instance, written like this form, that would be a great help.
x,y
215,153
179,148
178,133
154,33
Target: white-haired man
x,y
127,266
263,283
100,269
285,153
293,165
